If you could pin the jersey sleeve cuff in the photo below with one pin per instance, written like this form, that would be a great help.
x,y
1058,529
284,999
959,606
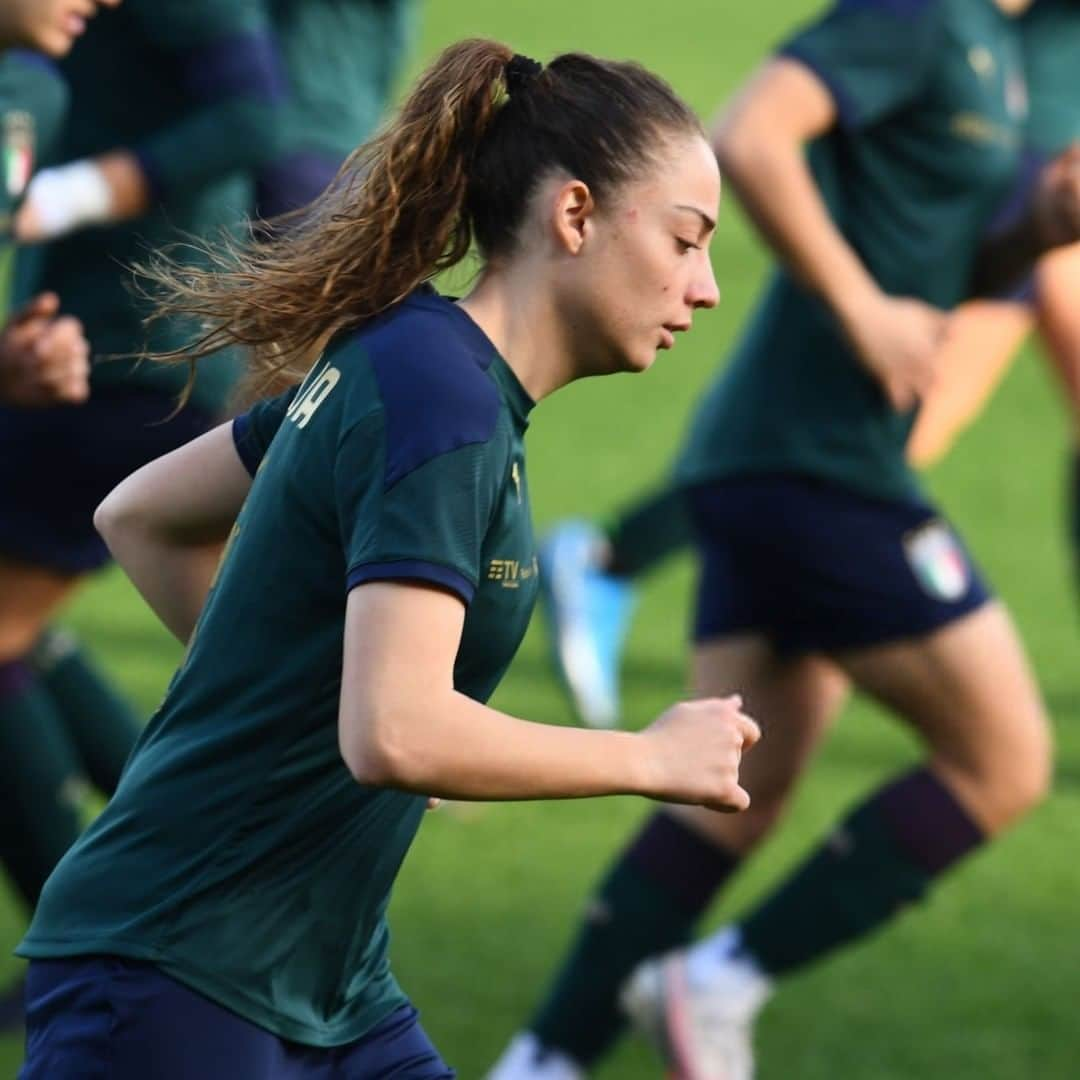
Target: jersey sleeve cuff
x,y
243,439
413,570
847,110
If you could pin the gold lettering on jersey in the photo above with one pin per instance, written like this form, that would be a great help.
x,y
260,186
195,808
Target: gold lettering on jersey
x,y
982,61
974,127
312,395
512,572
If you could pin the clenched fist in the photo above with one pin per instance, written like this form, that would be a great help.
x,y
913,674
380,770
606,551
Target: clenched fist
x,y
696,748
44,359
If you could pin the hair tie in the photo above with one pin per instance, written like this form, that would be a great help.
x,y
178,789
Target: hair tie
x,y
520,71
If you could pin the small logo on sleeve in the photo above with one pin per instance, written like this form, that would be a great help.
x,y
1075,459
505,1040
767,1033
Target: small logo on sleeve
x,y
515,476
937,561
512,572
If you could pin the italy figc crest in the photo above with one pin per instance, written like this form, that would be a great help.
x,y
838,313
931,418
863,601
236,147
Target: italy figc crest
x,y
937,560
18,151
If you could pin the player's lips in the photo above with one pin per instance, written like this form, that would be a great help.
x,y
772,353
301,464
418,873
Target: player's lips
x,y
74,25
668,332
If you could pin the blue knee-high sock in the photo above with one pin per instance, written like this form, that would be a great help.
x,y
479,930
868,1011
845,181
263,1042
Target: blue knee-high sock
x,y
42,788
648,903
102,725
882,857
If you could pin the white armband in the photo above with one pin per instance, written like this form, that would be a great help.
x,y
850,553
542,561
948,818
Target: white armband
x,y
68,197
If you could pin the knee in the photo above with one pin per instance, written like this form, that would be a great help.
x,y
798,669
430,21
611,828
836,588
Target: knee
x,y
1010,778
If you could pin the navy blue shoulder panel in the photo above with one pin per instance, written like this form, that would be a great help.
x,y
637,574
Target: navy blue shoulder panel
x,y
430,362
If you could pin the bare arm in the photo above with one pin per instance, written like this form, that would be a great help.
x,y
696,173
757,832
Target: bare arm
x,y
760,144
166,524
402,724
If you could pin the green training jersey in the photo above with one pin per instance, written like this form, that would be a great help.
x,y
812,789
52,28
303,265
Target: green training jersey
x,y
33,99
341,58
192,88
1051,35
931,105
238,854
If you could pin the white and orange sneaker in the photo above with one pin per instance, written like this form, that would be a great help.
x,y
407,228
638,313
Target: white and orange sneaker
x,y
697,1007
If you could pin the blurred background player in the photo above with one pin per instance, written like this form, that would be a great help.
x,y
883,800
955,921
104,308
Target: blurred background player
x,y
43,357
169,102
43,361
823,563
589,570
225,915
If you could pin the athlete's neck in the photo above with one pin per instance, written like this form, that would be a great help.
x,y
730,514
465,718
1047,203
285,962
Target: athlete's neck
x,y
521,322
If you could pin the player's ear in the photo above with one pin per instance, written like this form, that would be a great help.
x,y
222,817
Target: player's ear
x,y
572,211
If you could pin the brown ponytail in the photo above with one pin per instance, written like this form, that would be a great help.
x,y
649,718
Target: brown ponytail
x,y
392,219
458,162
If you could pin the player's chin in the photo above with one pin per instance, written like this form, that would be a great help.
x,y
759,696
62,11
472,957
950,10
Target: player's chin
x,y
640,358
53,42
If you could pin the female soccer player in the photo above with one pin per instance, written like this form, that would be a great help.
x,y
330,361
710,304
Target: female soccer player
x,y
823,561
178,90
224,917
589,572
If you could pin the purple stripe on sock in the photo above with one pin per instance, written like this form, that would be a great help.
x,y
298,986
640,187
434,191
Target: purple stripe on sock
x,y
681,860
15,677
927,821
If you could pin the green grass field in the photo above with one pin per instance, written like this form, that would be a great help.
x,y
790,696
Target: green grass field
x,y
983,981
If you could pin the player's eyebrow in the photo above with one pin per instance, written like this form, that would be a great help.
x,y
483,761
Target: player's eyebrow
x,y
710,225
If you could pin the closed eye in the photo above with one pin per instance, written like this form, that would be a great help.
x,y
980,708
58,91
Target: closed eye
x,y
686,245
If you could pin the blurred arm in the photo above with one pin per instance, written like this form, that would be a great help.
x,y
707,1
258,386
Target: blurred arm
x,y
229,71
759,142
166,524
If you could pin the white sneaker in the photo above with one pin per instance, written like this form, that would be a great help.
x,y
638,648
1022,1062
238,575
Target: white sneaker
x,y
526,1059
699,1016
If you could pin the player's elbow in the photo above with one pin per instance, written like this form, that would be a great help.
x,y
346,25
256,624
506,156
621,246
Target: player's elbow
x,y
373,745
116,516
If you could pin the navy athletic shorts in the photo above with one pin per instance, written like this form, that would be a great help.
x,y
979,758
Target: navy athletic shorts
x,y
108,1018
57,464
818,568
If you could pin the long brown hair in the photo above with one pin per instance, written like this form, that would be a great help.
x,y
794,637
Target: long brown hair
x,y
457,163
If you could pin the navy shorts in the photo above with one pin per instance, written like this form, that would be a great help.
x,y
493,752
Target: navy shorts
x,y
817,568
108,1018
57,464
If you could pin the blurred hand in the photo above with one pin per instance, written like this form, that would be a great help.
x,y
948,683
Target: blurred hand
x,y
44,359
899,339
695,749
1056,202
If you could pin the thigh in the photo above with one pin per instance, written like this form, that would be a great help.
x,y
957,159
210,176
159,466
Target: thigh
x,y
29,596
795,699
397,1049
968,691
983,338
